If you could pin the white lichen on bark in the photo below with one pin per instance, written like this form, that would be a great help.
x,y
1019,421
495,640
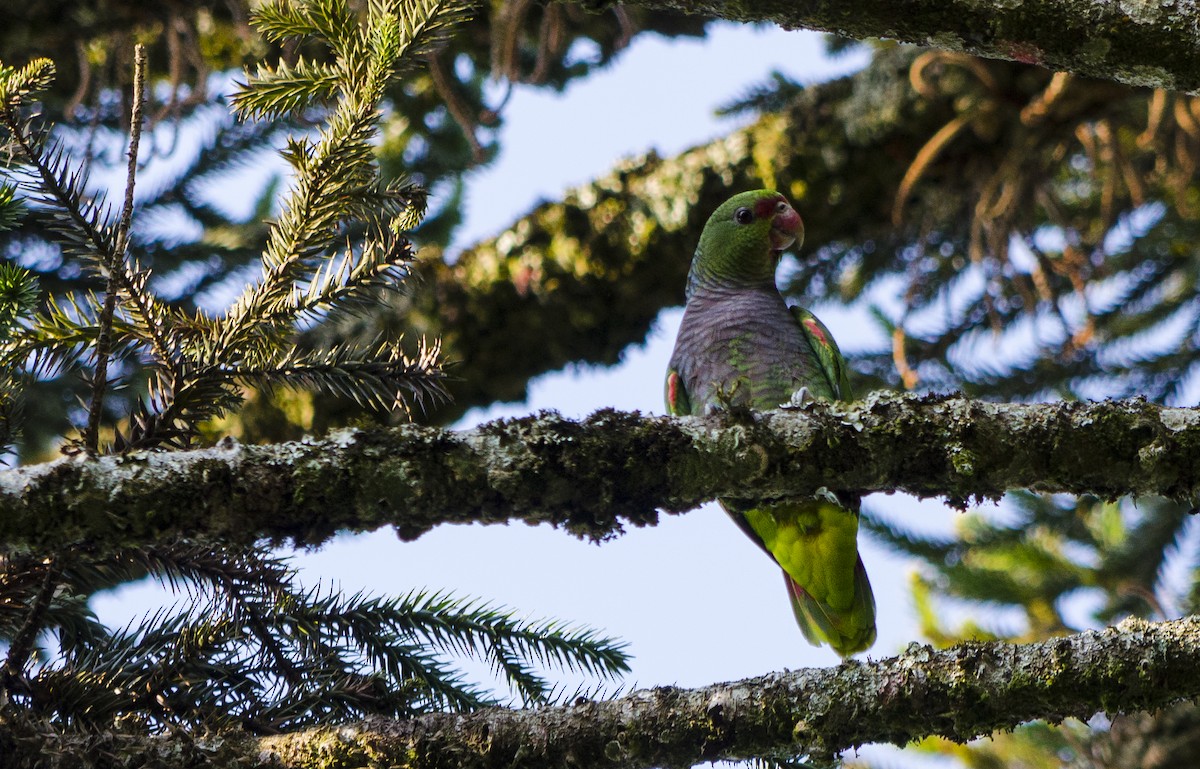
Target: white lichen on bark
x,y
960,693
1138,42
595,476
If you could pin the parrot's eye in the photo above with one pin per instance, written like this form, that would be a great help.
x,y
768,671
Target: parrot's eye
x,y
780,207
743,216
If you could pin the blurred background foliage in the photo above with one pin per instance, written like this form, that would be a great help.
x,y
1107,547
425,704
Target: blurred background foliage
x,y
1016,234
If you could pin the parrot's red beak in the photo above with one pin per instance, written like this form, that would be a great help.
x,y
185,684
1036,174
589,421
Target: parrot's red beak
x,y
786,226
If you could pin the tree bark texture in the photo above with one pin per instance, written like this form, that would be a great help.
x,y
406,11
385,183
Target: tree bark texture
x,y
960,693
1138,42
594,476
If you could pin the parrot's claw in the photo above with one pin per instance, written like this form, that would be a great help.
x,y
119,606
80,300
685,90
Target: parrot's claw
x,y
799,399
723,399
826,495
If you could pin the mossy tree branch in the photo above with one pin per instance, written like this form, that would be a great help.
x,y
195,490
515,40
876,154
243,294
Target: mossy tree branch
x,y
960,693
1140,43
594,476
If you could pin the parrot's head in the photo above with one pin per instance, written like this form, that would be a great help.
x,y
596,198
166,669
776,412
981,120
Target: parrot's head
x,y
744,237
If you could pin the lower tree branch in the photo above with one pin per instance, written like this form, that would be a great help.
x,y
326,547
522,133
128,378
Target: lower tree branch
x,y
963,692
960,693
596,475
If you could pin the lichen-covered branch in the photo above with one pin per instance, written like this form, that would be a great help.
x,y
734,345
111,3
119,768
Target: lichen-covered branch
x,y
960,693
1138,42
596,475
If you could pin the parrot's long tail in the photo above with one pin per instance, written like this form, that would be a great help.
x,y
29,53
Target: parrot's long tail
x,y
815,542
847,631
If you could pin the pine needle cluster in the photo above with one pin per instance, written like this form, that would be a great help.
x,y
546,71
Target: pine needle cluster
x,y
246,646
1051,565
18,300
196,364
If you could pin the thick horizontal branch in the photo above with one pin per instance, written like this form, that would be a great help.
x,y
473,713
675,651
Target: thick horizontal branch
x,y
960,693
1138,42
596,475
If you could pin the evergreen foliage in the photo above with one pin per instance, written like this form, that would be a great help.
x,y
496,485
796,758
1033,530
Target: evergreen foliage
x,y
18,300
440,120
246,647
1022,235
1043,247
197,364
1063,265
1050,566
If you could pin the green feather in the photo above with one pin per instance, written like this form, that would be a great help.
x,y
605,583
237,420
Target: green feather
x,y
733,252
678,402
816,544
826,350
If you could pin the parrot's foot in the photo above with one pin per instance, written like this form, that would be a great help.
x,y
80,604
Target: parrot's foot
x,y
726,401
799,399
825,494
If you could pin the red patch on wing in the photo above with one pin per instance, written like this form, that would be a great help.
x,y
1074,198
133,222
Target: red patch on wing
x,y
673,390
796,588
814,328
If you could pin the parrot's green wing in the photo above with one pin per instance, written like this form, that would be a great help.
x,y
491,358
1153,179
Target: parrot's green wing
x,y
825,348
678,402
847,632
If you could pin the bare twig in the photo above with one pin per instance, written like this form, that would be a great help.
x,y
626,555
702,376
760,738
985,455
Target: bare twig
x,y
116,264
12,676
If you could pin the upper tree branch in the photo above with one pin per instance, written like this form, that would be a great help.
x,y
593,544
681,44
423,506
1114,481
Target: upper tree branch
x,y
1144,42
594,476
960,693
583,277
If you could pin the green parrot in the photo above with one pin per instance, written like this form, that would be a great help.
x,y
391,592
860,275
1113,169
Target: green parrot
x,y
740,344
